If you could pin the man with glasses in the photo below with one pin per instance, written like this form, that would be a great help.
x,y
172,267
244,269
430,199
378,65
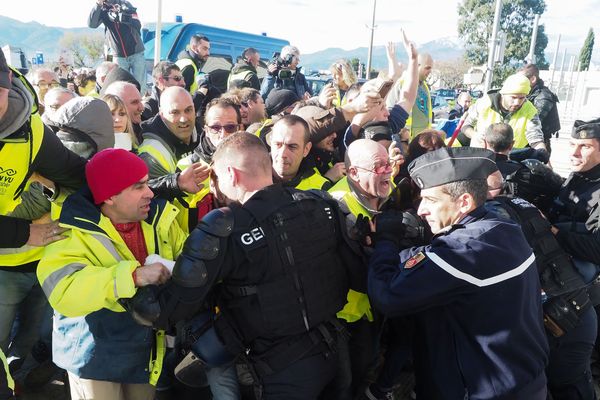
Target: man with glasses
x,y
43,80
360,194
509,105
164,74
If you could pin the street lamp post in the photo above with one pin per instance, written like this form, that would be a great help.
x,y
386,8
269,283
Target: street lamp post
x,y
158,34
371,43
492,54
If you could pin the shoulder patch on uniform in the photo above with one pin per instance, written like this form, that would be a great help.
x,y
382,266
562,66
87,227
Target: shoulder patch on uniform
x,y
415,260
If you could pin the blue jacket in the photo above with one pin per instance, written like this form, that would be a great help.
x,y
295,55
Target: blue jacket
x,y
476,294
296,83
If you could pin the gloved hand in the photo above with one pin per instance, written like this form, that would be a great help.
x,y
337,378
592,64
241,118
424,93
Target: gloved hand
x,y
389,226
362,230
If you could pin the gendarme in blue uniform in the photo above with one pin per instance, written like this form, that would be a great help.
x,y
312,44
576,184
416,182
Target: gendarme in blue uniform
x,y
478,300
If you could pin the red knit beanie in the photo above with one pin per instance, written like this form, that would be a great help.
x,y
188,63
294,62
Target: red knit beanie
x,y
111,171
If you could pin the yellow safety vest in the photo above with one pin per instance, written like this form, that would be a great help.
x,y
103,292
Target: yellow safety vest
x,y
158,149
75,290
186,62
15,163
9,379
357,304
315,181
429,107
339,101
241,76
518,120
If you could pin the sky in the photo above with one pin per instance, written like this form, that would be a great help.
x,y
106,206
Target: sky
x,y
314,25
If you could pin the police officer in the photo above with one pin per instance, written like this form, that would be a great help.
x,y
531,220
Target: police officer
x,y
476,300
569,317
576,219
277,266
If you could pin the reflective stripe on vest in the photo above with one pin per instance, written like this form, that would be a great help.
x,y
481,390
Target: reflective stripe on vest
x,y
185,62
518,120
357,304
315,181
240,76
154,146
15,161
9,379
259,130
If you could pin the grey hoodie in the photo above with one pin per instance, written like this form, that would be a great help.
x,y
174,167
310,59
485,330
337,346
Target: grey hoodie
x,y
85,126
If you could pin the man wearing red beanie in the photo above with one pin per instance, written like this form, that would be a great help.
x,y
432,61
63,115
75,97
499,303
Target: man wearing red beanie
x,y
115,224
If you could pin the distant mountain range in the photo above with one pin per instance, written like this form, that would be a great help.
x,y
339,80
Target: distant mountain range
x,y
33,36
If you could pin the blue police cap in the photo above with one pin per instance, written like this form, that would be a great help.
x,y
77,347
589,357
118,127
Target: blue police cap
x,y
586,129
451,164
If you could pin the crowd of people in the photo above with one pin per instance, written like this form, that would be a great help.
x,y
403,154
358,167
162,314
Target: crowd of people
x,y
271,243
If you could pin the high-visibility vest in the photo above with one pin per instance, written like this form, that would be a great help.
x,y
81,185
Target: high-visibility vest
x,y
357,303
16,158
159,150
315,181
518,120
409,120
186,62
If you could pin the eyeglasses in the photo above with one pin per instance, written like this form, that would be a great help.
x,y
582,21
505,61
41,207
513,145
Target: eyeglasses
x,y
45,85
382,169
175,78
229,128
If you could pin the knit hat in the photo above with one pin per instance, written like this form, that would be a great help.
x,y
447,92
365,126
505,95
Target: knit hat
x,y
516,84
111,171
280,99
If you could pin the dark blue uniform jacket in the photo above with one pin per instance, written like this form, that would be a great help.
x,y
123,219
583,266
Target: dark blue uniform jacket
x,y
476,295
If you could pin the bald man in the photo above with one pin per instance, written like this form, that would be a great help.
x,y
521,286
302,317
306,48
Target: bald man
x,y
282,269
132,98
360,194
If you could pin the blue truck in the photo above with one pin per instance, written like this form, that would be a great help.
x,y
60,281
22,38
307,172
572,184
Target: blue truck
x,y
225,47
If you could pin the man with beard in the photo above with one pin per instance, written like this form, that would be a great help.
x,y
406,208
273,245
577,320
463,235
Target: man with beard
x,y
192,59
508,105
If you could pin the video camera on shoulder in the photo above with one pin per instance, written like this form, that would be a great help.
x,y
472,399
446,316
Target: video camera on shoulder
x,y
119,11
283,71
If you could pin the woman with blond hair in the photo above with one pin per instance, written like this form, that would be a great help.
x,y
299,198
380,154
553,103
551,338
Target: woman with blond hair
x,y
343,77
124,136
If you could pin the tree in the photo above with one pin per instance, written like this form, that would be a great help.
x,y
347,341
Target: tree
x,y
86,48
586,51
449,74
476,18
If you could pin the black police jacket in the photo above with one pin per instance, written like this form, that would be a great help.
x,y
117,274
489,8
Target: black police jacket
x,y
577,211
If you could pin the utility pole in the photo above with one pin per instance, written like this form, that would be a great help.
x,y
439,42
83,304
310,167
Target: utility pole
x,y
158,34
531,56
492,52
371,43
554,59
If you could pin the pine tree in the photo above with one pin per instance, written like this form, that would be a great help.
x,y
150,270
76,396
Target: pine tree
x,y
586,51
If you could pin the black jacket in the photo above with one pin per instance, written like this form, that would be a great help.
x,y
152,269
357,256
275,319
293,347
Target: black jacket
x,y
545,101
249,74
122,34
151,104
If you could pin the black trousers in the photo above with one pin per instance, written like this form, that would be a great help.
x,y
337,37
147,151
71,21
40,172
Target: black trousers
x,y
568,372
302,380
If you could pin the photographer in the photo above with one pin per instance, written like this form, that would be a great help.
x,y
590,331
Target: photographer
x,y
122,30
284,73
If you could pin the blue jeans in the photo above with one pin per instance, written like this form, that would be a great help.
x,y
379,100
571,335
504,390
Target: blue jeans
x,y
223,383
136,64
21,292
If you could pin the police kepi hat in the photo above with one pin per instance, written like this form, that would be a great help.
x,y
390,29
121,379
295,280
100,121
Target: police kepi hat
x,y
586,129
451,164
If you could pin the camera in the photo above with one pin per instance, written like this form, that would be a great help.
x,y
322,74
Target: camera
x,y
119,11
283,71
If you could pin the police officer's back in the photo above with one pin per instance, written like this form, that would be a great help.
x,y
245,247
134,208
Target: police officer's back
x,y
282,269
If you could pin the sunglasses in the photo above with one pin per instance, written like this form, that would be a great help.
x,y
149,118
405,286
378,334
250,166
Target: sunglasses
x,y
382,169
229,128
175,78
